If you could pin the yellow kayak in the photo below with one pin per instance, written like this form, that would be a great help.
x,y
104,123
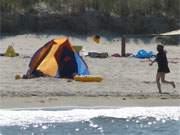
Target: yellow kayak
x,y
88,78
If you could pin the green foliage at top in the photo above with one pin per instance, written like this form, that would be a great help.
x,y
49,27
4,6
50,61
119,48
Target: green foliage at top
x,y
109,7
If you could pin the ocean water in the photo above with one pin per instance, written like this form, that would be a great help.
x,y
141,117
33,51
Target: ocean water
x,y
91,121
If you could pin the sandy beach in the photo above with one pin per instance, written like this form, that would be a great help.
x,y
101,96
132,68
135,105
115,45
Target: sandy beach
x,y
126,81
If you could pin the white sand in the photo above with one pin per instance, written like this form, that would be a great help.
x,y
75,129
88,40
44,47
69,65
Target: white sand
x,y
122,76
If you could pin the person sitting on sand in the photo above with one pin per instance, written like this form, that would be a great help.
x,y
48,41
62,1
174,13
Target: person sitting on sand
x,y
96,38
163,68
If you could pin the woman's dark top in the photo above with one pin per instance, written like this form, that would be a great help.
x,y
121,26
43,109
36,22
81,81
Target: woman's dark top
x,y
162,63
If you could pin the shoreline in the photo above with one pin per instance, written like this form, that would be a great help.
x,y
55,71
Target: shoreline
x,y
84,102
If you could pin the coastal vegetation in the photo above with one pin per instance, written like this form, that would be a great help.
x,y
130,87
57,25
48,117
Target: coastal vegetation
x,y
120,16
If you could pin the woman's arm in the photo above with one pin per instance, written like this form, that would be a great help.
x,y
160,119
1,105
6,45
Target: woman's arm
x,y
152,61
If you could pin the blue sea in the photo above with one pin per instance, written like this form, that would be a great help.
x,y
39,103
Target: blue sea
x,y
91,121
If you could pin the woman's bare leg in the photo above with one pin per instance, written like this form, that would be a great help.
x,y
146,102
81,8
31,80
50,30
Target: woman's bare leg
x,y
168,82
158,77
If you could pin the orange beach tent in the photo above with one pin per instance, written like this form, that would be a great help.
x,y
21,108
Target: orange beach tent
x,y
58,58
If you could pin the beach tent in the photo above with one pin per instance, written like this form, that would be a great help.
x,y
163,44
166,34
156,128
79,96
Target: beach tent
x,y
58,58
171,33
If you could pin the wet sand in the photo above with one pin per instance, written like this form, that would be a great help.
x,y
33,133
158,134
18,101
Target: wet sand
x,y
128,77
85,102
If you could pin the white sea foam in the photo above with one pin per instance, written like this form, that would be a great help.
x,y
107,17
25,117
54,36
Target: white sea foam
x,y
24,117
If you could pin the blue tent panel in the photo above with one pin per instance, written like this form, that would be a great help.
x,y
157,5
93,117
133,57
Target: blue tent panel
x,y
82,67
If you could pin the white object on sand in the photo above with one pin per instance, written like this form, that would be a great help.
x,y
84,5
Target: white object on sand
x,y
175,32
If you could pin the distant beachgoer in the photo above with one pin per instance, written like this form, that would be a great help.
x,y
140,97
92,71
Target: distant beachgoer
x,y
96,38
163,68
